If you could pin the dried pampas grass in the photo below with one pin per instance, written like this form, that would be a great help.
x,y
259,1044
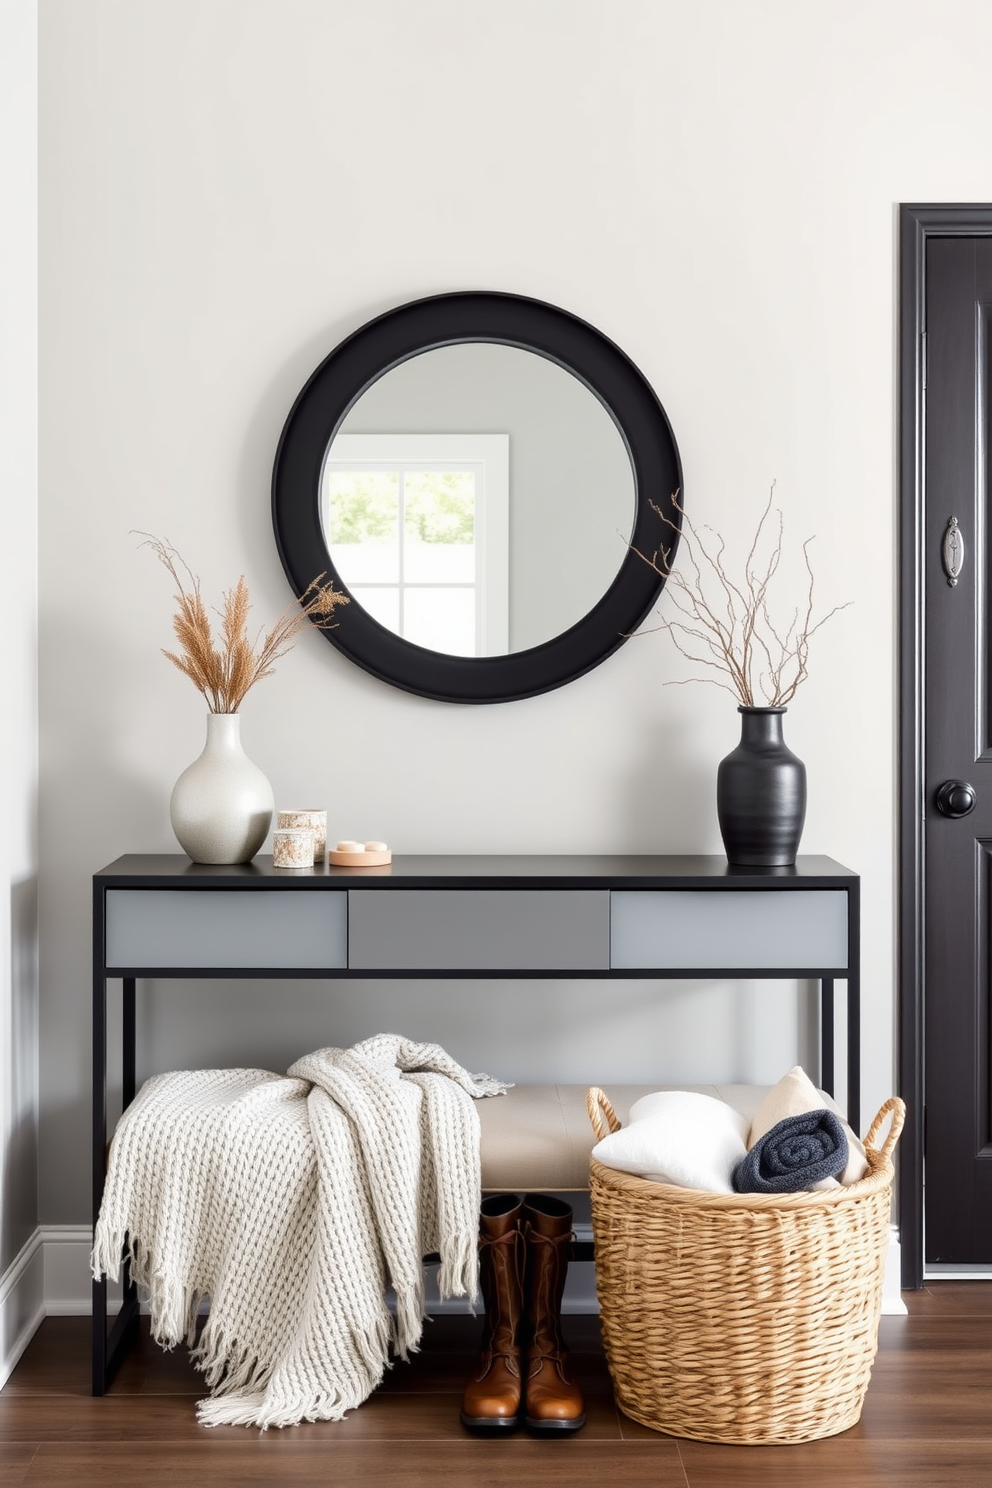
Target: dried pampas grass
x,y
224,671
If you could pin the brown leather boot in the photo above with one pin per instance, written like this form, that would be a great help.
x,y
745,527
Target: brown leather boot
x,y
553,1402
492,1399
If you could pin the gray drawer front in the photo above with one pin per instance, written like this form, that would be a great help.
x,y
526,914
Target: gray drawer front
x,y
227,927
732,928
480,929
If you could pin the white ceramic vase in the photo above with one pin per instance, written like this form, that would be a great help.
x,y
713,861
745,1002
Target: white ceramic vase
x,y
221,806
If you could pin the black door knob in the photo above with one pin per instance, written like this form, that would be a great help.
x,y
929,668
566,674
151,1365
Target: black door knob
x,y
955,798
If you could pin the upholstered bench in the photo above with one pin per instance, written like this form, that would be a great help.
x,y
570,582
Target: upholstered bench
x,y
539,1137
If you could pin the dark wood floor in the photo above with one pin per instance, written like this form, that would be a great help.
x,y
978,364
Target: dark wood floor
x,y
927,1422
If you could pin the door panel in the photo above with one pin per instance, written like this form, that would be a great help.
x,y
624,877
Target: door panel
x,y
958,850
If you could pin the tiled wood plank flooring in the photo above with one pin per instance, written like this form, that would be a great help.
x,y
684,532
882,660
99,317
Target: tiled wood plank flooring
x,y
927,1422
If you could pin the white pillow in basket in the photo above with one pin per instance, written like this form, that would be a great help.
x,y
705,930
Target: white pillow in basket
x,y
794,1095
681,1137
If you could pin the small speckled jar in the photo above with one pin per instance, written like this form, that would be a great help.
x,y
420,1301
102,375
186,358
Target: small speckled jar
x,y
313,821
292,848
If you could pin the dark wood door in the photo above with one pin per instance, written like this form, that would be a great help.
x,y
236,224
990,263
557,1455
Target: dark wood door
x,y
957,753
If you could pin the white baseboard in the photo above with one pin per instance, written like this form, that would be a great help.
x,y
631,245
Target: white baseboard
x,y
892,1299
22,1302
68,1279
50,1277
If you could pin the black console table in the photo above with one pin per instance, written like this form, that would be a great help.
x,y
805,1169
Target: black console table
x,y
472,917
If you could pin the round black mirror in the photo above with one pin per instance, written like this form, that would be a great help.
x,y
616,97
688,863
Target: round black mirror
x,y
475,471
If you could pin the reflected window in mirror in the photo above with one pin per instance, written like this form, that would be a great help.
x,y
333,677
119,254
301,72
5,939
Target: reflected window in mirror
x,y
417,527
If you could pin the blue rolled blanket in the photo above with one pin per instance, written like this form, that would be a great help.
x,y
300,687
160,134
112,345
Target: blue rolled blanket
x,y
799,1152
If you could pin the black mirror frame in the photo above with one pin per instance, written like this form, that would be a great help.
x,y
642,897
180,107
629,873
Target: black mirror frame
x,y
444,320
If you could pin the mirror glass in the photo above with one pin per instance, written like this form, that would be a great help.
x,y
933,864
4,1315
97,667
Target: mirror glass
x,y
477,499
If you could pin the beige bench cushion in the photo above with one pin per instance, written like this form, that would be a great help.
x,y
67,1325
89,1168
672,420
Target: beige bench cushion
x,y
539,1137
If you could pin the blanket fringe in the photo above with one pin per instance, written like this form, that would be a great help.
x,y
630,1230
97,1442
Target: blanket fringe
x,y
409,1320
174,1308
374,1343
458,1273
105,1257
227,1367
241,1395
252,1410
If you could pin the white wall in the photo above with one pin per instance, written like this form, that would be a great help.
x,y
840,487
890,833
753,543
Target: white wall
x,y
18,610
228,187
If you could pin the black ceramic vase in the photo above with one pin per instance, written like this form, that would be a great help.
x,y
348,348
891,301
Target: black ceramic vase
x,y
761,794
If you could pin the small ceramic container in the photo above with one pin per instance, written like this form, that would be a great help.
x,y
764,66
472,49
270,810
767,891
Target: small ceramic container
x,y
313,821
292,847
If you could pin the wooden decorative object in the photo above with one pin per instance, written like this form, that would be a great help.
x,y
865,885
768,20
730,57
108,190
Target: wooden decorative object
x,y
375,859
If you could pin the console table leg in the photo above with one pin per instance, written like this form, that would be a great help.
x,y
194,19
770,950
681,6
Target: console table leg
x,y
99,1136
827,1035
854,1007
128,1042
854,1051
107,1349
128,1081
99,1336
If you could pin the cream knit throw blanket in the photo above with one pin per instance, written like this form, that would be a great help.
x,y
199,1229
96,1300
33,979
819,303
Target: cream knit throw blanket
x,y
293,1203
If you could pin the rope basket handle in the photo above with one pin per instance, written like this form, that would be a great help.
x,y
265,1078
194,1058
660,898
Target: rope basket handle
x,y
895,1107
601,1113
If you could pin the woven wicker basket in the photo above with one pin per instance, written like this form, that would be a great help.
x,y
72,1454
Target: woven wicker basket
x,y
741,1317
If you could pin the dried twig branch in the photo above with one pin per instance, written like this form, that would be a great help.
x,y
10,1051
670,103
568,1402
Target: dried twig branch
x,y
225,672
762,662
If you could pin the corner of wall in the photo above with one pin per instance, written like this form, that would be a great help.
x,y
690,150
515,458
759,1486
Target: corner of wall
x,y
19,999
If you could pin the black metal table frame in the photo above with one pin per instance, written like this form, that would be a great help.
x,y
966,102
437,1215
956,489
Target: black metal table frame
x,y
109,1346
